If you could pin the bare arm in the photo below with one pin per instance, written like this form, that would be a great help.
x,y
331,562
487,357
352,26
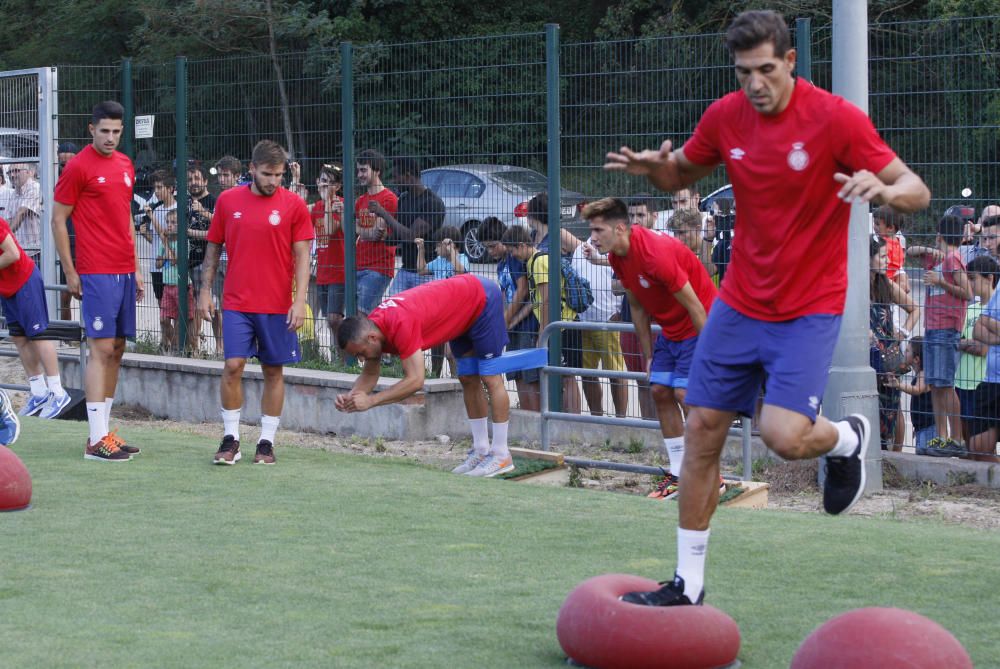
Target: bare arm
x,y
421,257
60,214
640,319
689,300
209,266
906,303
667,168
987,330
360,399
896,185
518,309
921,251
10,252
297,313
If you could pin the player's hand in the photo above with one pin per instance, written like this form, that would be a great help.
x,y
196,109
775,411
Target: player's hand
x,y
642,163
296,316
709,231
862,186
588,251
419,241
140,287
206,305
932,278
354,402
73,285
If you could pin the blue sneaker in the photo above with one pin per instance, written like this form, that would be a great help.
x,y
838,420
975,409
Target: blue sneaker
x,y
54,405
34,405
10,426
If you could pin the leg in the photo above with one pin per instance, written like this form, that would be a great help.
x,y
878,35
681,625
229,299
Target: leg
x,y
619,396
705,435
793,436
668,410
231,388
273,398
592,392
29,354
476,404
983,446
571,395
940,402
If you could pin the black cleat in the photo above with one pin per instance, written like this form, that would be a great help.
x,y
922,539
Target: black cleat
x,y
671,594
845,476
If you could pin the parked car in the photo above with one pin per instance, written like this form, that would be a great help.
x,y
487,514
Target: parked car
x,y
473,192
19,144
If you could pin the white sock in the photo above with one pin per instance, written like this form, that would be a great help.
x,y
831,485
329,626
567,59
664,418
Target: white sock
x,y
269,427
499,447
846,442
55,385
37,384
96,421
108,402
231,422
480,435
692,545
674,446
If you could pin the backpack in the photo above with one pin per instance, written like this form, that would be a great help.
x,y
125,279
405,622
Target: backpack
x,y
578,294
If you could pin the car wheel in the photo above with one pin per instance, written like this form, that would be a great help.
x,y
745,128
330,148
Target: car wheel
x,y
474,249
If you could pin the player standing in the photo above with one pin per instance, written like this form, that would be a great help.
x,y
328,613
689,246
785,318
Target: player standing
x,y
797,157
267,233
96,189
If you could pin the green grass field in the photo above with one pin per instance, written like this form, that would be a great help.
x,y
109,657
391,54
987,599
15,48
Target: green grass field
x,y
340,561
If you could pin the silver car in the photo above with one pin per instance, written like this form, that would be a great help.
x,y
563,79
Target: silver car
x,y
471,193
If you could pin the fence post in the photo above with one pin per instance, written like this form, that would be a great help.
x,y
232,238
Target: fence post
x,y
803,49
553,161
128,132
180,121
851,386
347,140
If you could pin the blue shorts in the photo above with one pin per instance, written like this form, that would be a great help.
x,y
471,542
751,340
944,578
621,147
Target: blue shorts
x,y
108,305
488,334
941,357
26,311
736,352
262,336
672,362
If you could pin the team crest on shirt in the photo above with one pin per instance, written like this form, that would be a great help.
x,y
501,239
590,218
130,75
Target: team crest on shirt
x,y
127,178
798,159
643,282
98,324
274,218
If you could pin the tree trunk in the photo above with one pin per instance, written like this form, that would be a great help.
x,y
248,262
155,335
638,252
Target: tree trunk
x,y
286,118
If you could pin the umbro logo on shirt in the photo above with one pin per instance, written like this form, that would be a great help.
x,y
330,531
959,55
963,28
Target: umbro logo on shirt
x,y
101,180
237,214
737,153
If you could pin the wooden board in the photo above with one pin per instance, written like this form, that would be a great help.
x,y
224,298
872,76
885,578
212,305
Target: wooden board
x,y
529,454
755,496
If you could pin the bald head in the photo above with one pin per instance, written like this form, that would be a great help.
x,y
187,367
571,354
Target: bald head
x,y
989,211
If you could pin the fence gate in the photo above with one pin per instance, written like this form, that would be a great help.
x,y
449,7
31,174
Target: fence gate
x,y
28,163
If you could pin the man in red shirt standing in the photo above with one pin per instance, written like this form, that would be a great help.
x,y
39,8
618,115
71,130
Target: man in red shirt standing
x,y
326,214
797,157
665,282
267,234
467,312
96,189
376,259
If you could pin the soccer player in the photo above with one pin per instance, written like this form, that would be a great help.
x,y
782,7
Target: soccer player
x,y
96,189
267,233
467,312
797,157
22,293
664,282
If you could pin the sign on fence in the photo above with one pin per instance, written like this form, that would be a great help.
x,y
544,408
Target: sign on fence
x,y
144,126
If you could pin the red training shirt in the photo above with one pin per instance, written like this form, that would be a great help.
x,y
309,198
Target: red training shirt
x,y
896,256
430,314
99,188
17,274
790,244
258,232
377,256
329,248
657,266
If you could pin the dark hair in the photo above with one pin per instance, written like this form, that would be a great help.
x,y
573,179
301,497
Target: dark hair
x,y
891,217
165,177
685,219
197,167
448,232
372,159
408,166
230,164
879,288
917,347
334,171
491,229
353,329
984,266
109,109
874,244
990,221
610,208
951,229
644,200
67,147
752,28
538,208
268,152
517,234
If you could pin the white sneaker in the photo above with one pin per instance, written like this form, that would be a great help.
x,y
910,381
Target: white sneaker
x,y
492,466
54,405
472,460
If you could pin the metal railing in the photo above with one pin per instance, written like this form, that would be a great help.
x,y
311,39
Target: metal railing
x,y
744,431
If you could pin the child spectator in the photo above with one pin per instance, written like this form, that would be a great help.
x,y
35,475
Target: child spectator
x,y
522,326
948,292
326,215
169,305
982,272
889,225
921,411
986,429
449,260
